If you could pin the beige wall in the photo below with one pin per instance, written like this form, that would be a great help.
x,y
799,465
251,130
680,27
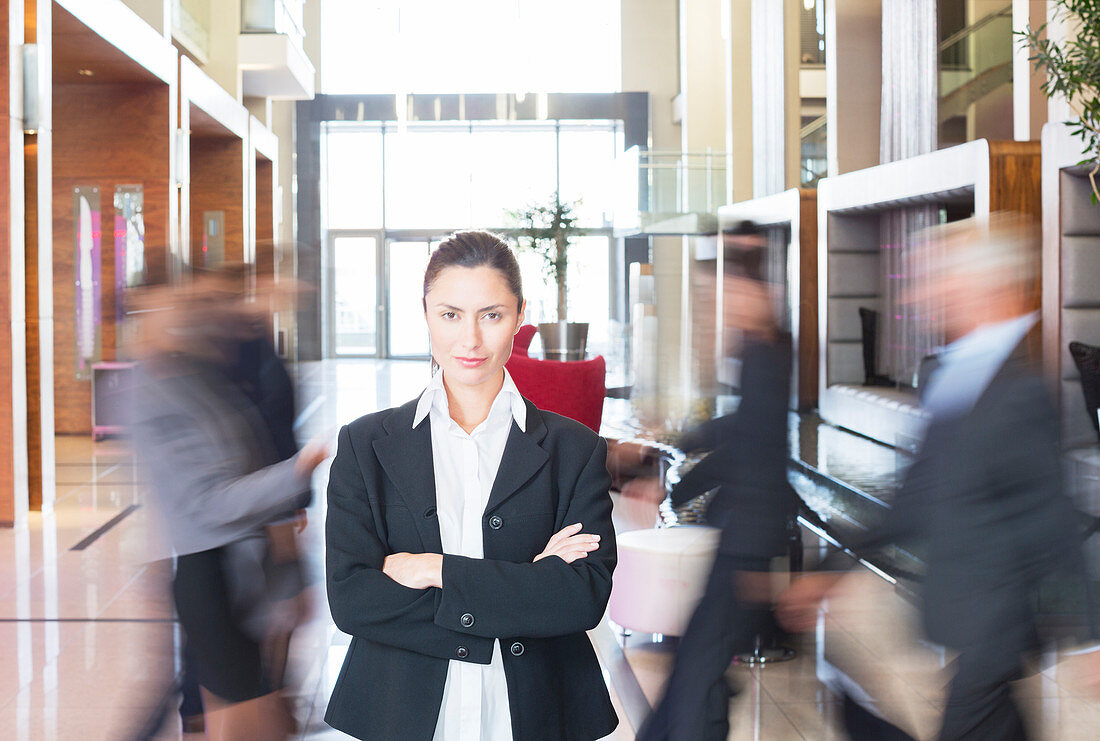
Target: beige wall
x,y
650,64
853,70
225,27
739,101
157,13
1029,105
260,108
312,44
1057,108
704,58
702,76
792,66
282,125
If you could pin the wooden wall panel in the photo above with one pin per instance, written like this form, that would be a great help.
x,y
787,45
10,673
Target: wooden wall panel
x,y
265,218
104,135
1015,178
7,421
34,368
808,362
1015,184
217,184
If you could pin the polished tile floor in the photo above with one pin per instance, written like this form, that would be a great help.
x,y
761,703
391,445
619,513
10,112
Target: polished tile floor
x,y
87,636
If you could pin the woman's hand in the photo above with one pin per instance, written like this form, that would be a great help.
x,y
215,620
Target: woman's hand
x,y
415,570
569,544
798,605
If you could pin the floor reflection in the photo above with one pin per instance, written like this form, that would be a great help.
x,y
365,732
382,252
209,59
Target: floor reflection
x,y
87,640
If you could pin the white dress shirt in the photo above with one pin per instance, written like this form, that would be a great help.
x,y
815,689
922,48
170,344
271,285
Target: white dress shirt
x,y
968,365
475,696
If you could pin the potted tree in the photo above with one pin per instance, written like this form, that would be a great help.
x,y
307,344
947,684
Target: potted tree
x,y
1072,69
545,229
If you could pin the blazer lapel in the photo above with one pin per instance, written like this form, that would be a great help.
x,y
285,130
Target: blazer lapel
x,y
406,457
523,457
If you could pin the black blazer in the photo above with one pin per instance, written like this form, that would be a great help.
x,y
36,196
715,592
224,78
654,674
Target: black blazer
x,y
983,499
381,500
750,451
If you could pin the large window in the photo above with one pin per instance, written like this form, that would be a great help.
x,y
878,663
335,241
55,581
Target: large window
x,y
442,46
462,174
351,178
406,183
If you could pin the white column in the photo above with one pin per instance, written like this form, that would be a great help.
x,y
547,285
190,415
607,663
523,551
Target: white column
x,y
1029,104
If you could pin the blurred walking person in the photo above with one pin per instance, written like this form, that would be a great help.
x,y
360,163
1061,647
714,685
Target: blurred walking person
x,y
259,373
754,505
205,450
983,497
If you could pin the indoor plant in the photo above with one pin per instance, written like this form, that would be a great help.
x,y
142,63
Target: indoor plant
x,y
545,229
1072,69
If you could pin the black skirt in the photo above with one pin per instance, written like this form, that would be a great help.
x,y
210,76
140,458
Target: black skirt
x,y
230,664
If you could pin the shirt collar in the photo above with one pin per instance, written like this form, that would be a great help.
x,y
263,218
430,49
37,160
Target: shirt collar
x,y
436,395
990,340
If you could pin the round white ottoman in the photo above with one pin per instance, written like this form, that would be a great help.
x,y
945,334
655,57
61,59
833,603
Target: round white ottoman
x,y
660,577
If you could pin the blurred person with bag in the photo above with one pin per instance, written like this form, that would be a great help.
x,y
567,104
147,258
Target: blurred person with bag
x,y
983,497
206,451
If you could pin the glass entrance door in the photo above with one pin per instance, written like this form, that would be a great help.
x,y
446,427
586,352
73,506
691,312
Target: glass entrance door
x,y
406,332
375,290
354,307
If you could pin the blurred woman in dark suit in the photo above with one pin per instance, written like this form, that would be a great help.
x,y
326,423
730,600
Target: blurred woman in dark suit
x,y
754,505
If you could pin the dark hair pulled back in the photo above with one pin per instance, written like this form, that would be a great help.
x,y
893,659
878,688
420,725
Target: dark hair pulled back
x,y
475,249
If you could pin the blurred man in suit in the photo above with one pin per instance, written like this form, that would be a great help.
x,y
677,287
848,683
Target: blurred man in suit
x,y
983,497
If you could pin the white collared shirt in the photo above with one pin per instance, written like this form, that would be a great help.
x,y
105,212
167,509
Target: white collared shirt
x,y
968,365
475,696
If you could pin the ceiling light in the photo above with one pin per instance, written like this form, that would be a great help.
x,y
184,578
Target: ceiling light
x,y
85,72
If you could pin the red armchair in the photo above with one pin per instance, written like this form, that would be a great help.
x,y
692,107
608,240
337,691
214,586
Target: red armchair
x,y
521,345
573,389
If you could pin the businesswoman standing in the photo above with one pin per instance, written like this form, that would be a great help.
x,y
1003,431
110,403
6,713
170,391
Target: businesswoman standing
x,y
469,539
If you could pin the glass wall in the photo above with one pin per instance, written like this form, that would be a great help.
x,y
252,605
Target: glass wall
x,y
410,184
354,295
351,178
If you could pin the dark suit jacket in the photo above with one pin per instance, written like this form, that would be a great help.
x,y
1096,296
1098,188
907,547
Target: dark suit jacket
x,y
748,459
984,500
381,500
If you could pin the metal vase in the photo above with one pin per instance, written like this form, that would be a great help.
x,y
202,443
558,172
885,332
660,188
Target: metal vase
x,y
564,340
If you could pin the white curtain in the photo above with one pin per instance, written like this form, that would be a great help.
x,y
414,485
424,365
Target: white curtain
x,y
910,324
910,79
910,74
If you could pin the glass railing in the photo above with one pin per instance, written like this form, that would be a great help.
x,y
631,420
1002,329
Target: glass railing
x,y
274,16
974,63
662,187
811,27
813,154
691,182
190,23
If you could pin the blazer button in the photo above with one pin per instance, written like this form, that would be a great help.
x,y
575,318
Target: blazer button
x,y
517,649
462,652
429,512
495,522
467,620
